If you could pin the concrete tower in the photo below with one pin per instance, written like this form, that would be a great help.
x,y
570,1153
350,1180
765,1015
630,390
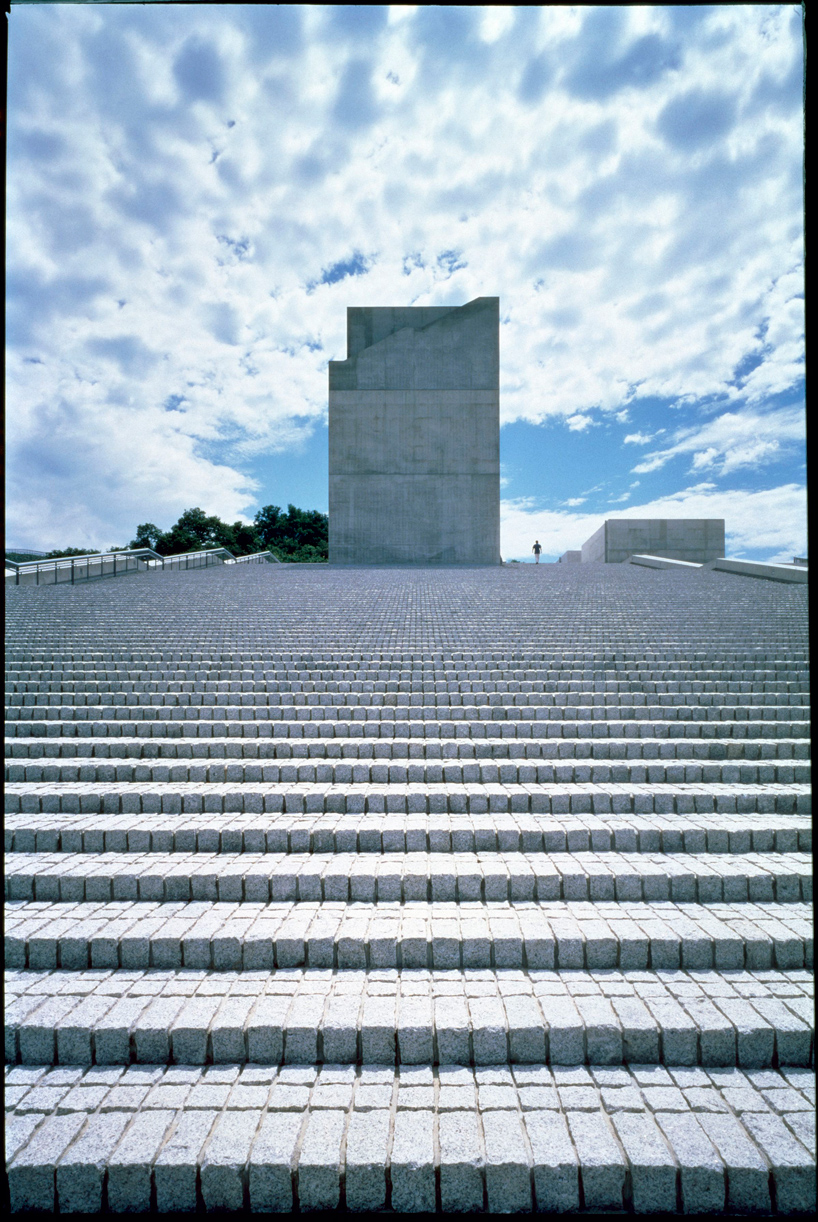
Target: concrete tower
x,y
414,436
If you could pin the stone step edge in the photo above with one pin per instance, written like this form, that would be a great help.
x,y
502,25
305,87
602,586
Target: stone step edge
x,y
129,742
84,695
785,657
478,711
542,1026
380,833
572,731
491,653
260,1159
486,877
521,935
488,772
404,798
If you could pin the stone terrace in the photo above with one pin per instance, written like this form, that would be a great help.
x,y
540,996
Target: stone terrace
x,y
409,889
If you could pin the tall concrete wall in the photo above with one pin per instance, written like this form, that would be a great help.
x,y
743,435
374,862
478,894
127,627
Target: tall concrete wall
x,y
694,539
594,548
414,436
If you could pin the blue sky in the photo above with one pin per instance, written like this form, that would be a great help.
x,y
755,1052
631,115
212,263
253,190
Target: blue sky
x,y
197,192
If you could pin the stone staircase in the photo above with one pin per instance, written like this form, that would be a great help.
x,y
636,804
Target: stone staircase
x,y
410,890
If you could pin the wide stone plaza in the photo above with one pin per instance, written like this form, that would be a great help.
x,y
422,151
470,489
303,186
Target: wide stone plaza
x,y
409,889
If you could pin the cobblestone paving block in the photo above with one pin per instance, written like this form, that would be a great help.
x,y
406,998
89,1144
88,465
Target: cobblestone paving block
x,y
409,889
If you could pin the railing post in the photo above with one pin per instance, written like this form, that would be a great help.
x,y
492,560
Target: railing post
x,y
72,570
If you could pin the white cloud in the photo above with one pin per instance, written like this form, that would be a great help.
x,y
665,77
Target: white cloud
x,y
496,20
638,439
772,519
733,440
197,193
578,423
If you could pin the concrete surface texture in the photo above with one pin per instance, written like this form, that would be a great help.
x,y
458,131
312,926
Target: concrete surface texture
x,y
661,562
409,889
414,437
570,557
694,539
772,572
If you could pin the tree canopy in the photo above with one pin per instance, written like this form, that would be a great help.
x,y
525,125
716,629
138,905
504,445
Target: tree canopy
x,y
297,535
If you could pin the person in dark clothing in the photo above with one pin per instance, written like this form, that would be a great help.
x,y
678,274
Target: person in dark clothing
x,y
536,549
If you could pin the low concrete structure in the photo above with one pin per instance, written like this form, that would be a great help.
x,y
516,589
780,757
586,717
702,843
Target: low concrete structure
x,y
742,568
662,562
570,558
695,539
414,437
756,568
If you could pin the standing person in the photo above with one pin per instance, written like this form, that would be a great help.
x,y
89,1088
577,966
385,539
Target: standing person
x,y
536,549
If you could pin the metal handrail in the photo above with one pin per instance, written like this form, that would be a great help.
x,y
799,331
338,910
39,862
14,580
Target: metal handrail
x,y
141,555
266,557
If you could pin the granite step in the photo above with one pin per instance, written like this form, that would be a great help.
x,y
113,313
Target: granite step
x,y
458,771
404,877
442,934
470,1017
366,707
426,1139
317,900
545,693
399,792
575,728
334,659
754,751
382,831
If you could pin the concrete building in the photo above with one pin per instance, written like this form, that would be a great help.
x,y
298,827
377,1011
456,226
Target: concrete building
x,y
571,557
414,436
695,539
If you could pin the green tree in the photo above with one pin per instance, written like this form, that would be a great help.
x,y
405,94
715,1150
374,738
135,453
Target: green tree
x,y
300,535
297,535
146,536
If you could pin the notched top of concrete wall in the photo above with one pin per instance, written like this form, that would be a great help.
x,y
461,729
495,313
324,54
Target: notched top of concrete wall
x,y
420,348
698,540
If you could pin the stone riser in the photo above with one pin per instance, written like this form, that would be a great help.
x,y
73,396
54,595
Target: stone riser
x,y
417,833
229,709
426,773
254,937
330,659
127,690
375,1140
269,868
192,1018
569,731
457,878
354,797
632,750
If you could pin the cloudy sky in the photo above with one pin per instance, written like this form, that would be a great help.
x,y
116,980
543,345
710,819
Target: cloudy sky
x,y
197,192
